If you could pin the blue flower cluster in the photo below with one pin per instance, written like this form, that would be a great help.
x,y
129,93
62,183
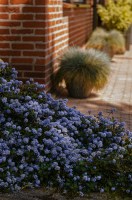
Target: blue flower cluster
x,y
44,142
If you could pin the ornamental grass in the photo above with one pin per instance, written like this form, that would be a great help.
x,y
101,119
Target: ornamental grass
x,y
112,42
83,71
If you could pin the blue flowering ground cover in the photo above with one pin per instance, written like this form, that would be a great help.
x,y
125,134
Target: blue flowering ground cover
x,y
43,142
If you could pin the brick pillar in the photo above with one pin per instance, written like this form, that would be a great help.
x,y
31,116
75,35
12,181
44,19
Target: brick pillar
x,y
32,33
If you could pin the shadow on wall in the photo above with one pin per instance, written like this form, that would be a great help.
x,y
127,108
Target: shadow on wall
x,y
51,66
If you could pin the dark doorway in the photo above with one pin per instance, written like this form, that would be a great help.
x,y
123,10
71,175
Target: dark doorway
x,y
96,18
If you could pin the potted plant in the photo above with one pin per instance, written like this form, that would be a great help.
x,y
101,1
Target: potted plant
x,y
111,42
100,40
117,42
83,70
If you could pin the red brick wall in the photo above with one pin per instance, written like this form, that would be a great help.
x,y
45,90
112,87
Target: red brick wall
x,y
80,24
19,37
33,33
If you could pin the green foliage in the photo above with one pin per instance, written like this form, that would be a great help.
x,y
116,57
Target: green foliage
x,y
117,41
116,14
43,142
99,31
112,42
98,39
83,70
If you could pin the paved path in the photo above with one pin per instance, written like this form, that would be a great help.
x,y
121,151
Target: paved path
x,y
117,93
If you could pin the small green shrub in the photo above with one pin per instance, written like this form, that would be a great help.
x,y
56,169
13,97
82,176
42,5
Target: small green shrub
x,y
99,31
116,14
43,142
98,39
112,42
83,70
117,41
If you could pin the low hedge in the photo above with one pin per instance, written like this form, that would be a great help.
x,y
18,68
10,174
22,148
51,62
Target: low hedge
x,y
43,142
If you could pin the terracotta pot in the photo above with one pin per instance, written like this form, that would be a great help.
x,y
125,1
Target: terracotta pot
x,y
78,91
108,50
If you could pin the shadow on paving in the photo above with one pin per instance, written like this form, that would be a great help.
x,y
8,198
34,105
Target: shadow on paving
x,y
94,104
40,194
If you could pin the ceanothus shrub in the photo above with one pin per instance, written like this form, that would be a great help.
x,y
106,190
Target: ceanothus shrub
x,y
43,142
